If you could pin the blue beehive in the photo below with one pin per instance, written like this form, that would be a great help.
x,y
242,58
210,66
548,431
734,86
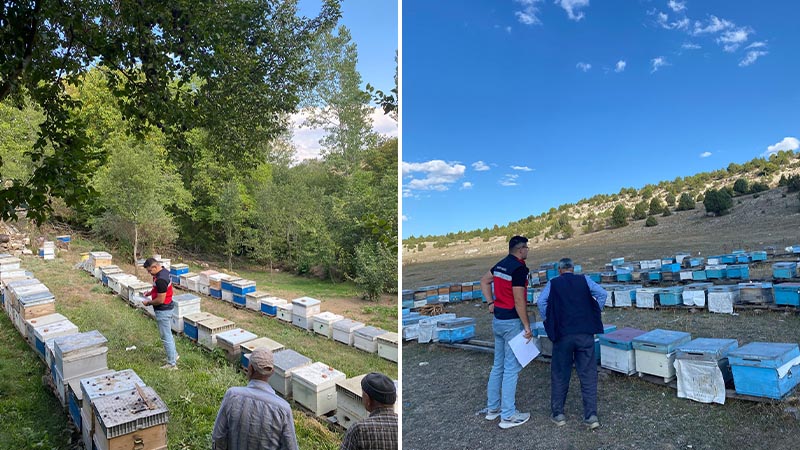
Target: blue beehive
x,y
654,276
695,262
671,267
765,369
784,270
606,329
787,294
742,258
577,268
699,275
240,300
670,296
455,293
408,304
758,256
730,258
242,287
477,294
624,276
617,261
661,341
795,249
466,291
667,260
460,329
551,273
215,293
716,271
738,271
175,272
595,276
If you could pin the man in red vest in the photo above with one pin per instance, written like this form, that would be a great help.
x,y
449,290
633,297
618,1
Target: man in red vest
x,y
161,300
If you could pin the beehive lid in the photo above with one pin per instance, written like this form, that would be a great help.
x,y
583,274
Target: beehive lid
x,y
22,283
284,306
139,284
100,255
764,354
318,374
231,279
119,276
214,323
110,384
711,348
208,273
109,269
352,385
457,322
179,266
262,342
305,302
10,260
35,298
186,299
126,412
756,285
286,360
663,341
45,320
219,276
275,301
196,318
697,286
60,328
242,283
784,265
189,276
79,342
327,317
235,337
787,286
258,295
347,325
724,288
75,383
389,337
621,335
369,332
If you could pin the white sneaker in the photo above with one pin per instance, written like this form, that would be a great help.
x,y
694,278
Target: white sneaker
x,y
492,414
516,420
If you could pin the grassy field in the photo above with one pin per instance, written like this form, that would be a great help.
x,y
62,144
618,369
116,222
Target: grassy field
x,y
192,393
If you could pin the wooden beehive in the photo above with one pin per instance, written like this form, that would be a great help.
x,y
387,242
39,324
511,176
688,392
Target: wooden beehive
x,y
191,322
135,419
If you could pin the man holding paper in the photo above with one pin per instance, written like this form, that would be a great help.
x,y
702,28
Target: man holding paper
x,y
510,278
570,305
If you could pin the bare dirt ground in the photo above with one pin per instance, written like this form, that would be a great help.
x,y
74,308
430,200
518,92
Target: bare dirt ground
x,y
443,388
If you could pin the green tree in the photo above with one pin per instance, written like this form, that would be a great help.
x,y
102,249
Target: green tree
x,y
619,217
793,183
717,202
758,186
647,191
640,210
685,202
374,272
651,221
670,199
232,67
655,206
741,187
232,210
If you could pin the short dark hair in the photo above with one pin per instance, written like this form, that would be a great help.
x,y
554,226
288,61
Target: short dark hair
x,y
515,242
149,262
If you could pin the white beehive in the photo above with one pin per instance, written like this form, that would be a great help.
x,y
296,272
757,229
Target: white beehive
x,y
126,421
94,387
349,406
387,346
306,323
9,263
253,300
215,280
41,335
114,281
183,305
285,312
231,341
343,330
208,330
366,338
323,323
314,387
646,297
137,288
80,353
190,281
247,347
105,271
38,322
204,277
305,306
269,305
286,361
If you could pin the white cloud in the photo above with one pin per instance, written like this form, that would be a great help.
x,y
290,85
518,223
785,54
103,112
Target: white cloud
x,y
438,175
676,6
751,57
404,217
620,66
705,154
306,139
690,46
480,166
529,13
522,168
509,179
757,44
466,185
714,25
508,29
572,7
657,63
583,66
788,143
732,39
663,20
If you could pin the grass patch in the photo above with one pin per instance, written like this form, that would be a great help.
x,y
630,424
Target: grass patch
x,y
193,393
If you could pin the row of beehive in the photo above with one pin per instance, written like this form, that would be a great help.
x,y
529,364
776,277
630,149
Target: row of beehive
x,y
445,328
317,386
77,366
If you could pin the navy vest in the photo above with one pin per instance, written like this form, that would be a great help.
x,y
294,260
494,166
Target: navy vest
x,y
571,309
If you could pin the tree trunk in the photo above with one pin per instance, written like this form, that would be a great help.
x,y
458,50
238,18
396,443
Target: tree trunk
x,y
135,246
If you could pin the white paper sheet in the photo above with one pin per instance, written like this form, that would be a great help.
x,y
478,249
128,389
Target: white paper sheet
x,y
525,350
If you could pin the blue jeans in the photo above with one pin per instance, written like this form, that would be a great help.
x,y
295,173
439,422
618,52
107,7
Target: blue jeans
x,y
163,319
505,371
578,349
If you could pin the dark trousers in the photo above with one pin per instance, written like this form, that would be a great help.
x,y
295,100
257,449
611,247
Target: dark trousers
x,y
577,349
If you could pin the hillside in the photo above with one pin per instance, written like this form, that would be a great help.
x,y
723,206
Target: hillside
x,y
768,218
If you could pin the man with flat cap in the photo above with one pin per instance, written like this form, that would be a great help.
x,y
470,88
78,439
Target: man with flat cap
x,y
379,430
254,417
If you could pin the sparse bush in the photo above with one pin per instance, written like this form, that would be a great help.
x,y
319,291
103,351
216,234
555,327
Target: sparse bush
x,y
376,269
421,246
685,203
651,221
759,186
740,187
718,201
670,199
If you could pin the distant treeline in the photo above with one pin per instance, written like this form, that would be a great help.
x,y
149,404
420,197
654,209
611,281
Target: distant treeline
x,y
614,210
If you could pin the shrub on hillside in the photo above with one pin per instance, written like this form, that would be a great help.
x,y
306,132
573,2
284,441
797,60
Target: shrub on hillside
x,y
619,218
651,221
376,269
685,203
670,199
740,187
717,202
793,183
640,210
759,186
666,212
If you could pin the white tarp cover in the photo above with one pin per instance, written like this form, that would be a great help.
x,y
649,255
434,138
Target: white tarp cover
x,y
700,381
694,298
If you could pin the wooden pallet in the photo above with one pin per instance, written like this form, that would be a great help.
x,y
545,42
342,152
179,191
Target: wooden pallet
x,y
434,309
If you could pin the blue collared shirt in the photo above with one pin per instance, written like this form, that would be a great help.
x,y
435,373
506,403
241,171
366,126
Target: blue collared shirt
x,y
254,417
598,293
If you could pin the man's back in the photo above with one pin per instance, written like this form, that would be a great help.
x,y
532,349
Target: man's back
x,y
377,432
254,417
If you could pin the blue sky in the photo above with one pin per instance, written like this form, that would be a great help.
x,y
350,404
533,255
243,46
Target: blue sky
x,y
373,27
513,107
